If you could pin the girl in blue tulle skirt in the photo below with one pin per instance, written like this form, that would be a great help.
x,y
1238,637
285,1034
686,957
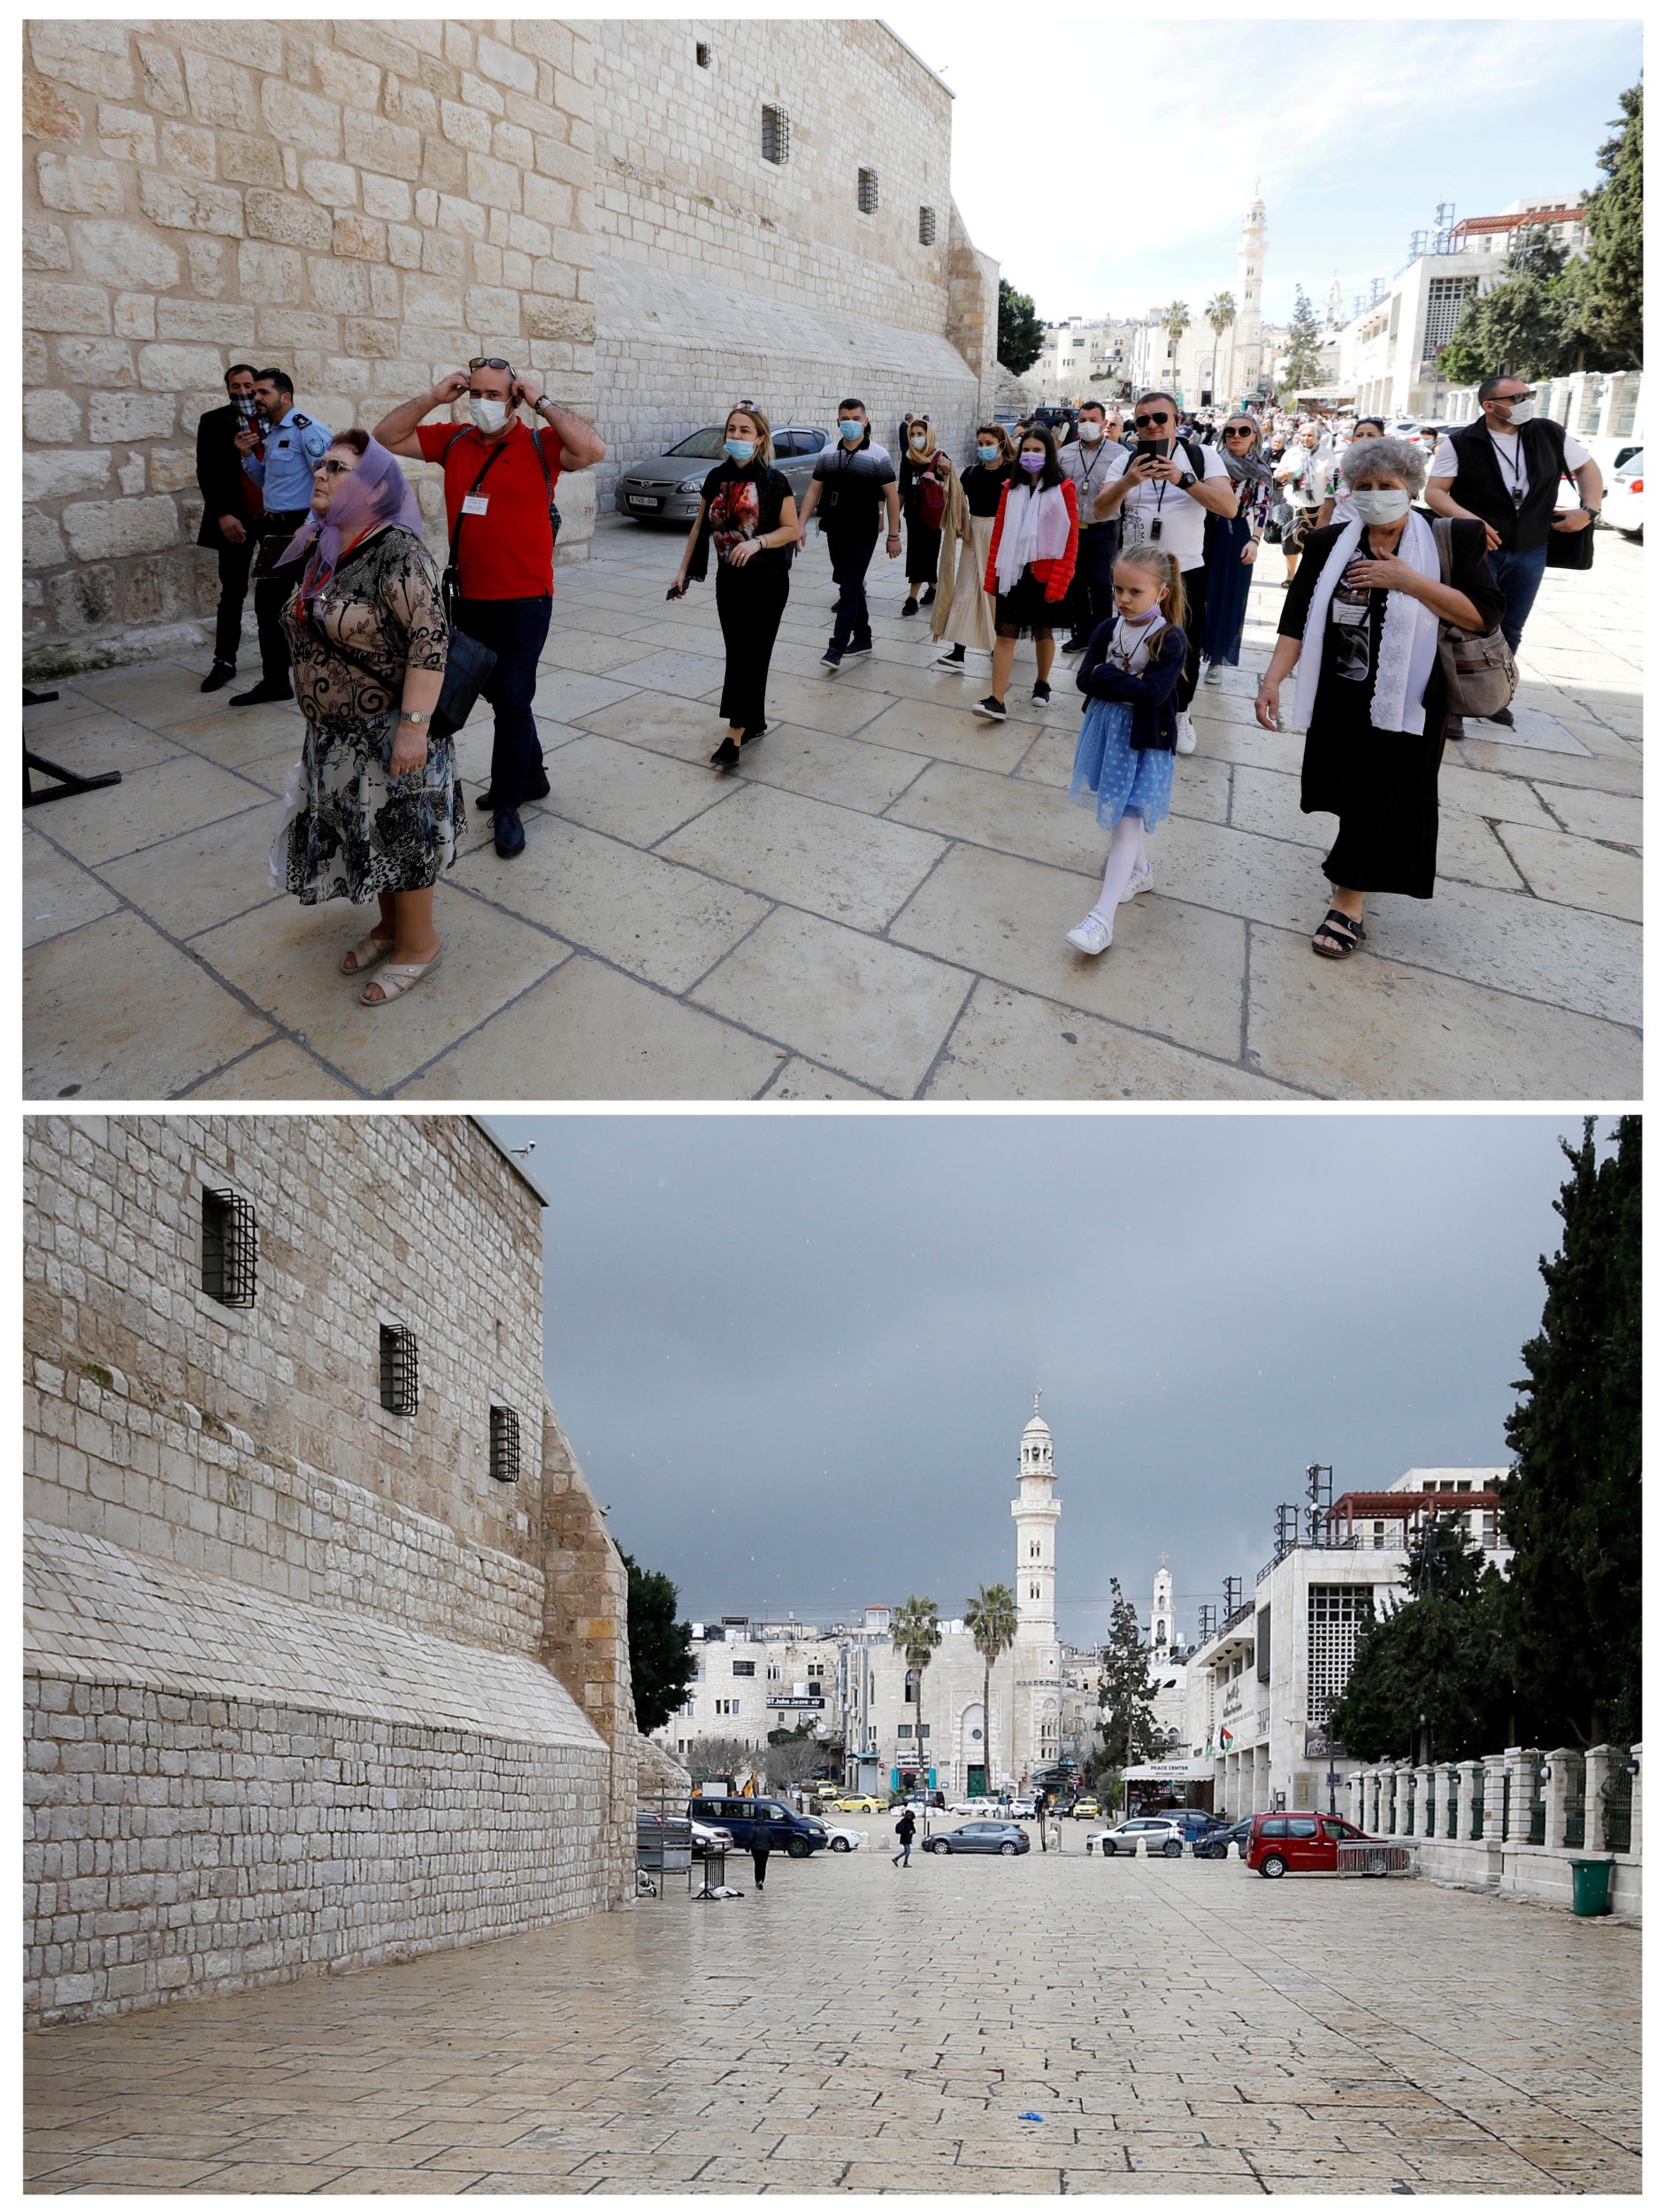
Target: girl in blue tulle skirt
x,y
1123,763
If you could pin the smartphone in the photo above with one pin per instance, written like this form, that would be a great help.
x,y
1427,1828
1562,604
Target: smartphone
x,y
1150,450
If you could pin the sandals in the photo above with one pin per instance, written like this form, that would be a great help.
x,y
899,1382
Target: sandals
x,y
365,954
1345,934
399,977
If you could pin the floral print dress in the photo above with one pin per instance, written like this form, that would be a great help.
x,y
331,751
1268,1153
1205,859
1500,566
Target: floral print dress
x,y
360,830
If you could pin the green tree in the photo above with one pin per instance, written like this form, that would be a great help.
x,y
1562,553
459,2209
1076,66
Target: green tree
x,y
991,1617
1615,236
1572,1508
662,1661
1022,341
1526,325
1125,1690
1430,1681
1219,314
1302,357
916,1630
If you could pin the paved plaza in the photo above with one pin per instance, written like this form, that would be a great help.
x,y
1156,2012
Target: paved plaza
x,y
1177,2026
872,906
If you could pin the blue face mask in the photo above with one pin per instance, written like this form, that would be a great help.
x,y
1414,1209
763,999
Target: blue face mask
x,y
739,450
851,432
987,452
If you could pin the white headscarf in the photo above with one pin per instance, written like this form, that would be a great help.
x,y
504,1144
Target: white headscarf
x,y
1409,634
1036,529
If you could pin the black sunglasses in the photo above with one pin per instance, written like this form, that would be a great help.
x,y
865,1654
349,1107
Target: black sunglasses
x,y
490,361
1239,430
1143,422
334,468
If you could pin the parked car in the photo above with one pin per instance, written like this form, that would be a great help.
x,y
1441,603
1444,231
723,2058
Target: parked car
x,y
797,1834
845,1839
1221,1841
707,1837
974,1807
857,1804
1167,1837
1625,502
664,1842
1296,1843
1003,1836
666,487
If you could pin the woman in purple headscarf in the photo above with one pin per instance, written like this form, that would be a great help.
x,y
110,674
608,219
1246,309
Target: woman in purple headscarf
x,y
381,814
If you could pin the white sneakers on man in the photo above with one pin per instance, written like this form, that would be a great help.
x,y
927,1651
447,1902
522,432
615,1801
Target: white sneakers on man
x,y
1186,736
1092,935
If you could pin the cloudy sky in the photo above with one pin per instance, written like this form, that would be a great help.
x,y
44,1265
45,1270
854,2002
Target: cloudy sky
x,y
1355,130
794,1355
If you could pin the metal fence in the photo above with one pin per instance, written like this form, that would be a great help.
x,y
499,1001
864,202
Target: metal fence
x,y
1369,1855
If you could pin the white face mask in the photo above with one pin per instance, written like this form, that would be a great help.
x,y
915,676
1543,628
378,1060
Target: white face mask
x,y
1381,508
1520,411
915,437
489,414
1090,433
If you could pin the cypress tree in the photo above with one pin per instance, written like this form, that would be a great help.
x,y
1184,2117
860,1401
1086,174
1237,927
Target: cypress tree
x,y
1572,1508
1614,235
662,1661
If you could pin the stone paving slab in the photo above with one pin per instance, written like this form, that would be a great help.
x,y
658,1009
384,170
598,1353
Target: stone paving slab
x,y
884,872
1181,2027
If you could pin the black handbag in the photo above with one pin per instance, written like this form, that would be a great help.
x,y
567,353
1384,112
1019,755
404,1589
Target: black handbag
x,y
468,666
1572,548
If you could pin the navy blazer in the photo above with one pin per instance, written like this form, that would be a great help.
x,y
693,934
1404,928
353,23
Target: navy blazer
x,y
1150,696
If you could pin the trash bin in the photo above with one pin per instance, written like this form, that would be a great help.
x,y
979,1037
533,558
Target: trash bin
x,y
1592,1887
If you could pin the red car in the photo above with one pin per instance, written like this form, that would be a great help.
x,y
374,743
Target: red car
x,y
1296,1843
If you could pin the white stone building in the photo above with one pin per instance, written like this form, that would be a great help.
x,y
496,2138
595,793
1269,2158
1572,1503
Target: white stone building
x,y
1259,1688
754,1677
1080,350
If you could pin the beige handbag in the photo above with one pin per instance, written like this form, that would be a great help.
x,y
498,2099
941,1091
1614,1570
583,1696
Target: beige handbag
x,y
1480,677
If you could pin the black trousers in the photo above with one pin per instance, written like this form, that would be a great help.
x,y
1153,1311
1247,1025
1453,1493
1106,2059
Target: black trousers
x,y
234,563
760,1865
850,558
750,603
271,595
1195,622
1092,590
514,630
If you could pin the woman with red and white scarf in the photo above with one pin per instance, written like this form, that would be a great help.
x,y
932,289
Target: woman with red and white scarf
x,y
1031,564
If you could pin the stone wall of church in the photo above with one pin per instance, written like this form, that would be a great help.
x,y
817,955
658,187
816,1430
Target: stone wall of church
x,y
307,1688
365,203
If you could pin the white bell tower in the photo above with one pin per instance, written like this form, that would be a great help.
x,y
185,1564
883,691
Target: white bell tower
x,y
1035,1511
1247,351
1162,1609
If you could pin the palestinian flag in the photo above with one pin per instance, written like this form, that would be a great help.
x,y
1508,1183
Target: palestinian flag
x,y
1226,1738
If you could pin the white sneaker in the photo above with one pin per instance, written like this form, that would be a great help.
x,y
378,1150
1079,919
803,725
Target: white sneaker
x,y
1186,736
1216,674
1092,935
1141,879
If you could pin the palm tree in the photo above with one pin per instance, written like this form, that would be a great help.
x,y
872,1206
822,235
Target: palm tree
x,y
916,1630
1175,322
991,1617
1219,314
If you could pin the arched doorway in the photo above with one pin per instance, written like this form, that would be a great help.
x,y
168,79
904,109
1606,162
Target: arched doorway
x,y
973,1750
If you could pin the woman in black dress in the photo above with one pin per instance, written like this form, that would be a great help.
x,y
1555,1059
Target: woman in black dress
x,y
1360,624
747,510
915,464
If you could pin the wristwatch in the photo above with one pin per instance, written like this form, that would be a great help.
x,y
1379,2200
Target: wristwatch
x,y
1185,481
412,717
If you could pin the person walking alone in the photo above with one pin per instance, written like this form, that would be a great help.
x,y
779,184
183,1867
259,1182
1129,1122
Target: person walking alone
x,y
759,1854
964,613
748,512
924,508
851,486
1233,546
1030,560
906,1828
500,509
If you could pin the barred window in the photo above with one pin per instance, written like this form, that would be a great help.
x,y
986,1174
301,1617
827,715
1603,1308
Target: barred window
x,y
1446,298
230,1248
401,1391
701,54
927,227
505,1444
1334,1613
745,1666
777,135
867,191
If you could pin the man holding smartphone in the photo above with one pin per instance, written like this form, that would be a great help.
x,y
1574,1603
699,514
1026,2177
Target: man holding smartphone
x,y
1163,492
232,506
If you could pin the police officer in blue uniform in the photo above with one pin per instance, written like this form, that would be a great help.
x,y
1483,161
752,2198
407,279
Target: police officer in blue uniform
x,y
294,444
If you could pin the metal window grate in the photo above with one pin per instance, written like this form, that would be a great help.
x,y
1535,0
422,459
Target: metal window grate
x,y
867,191
777,135
505,1446
1572,1839
927,227
231,1240
1335,1612
701,54
401,1385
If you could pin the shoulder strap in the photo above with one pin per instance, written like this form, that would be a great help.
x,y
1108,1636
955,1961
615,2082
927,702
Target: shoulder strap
x,y
1441,537
461,518
1194,456
302,422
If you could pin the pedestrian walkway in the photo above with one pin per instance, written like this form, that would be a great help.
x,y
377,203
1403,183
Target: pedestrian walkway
x,y
1031,2026
873,905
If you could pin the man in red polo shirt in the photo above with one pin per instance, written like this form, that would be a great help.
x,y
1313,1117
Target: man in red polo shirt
x,y
500,492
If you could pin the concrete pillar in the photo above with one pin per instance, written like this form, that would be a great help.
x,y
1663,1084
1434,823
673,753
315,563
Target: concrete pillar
x,y
1495,1768
1426,1800
1524,1761
1466,1775
1556,1792
1599,1762
1634,1799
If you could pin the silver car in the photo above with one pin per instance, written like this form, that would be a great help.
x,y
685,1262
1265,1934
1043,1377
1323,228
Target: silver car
x,y
666,487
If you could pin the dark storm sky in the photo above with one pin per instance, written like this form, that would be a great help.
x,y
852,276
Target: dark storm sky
x,y
794,1354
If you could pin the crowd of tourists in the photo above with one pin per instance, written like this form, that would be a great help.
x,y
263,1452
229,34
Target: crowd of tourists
x,y
1408,582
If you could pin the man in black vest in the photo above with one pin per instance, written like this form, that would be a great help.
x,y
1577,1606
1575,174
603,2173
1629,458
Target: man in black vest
x,y
1505,471
231,507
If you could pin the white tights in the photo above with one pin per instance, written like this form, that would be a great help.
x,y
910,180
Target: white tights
x,y
1126,857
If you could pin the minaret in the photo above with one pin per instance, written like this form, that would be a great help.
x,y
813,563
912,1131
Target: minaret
x,y
1248,346
1037,1677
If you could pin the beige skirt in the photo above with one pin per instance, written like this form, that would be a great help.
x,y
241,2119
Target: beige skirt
x,y
970,618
